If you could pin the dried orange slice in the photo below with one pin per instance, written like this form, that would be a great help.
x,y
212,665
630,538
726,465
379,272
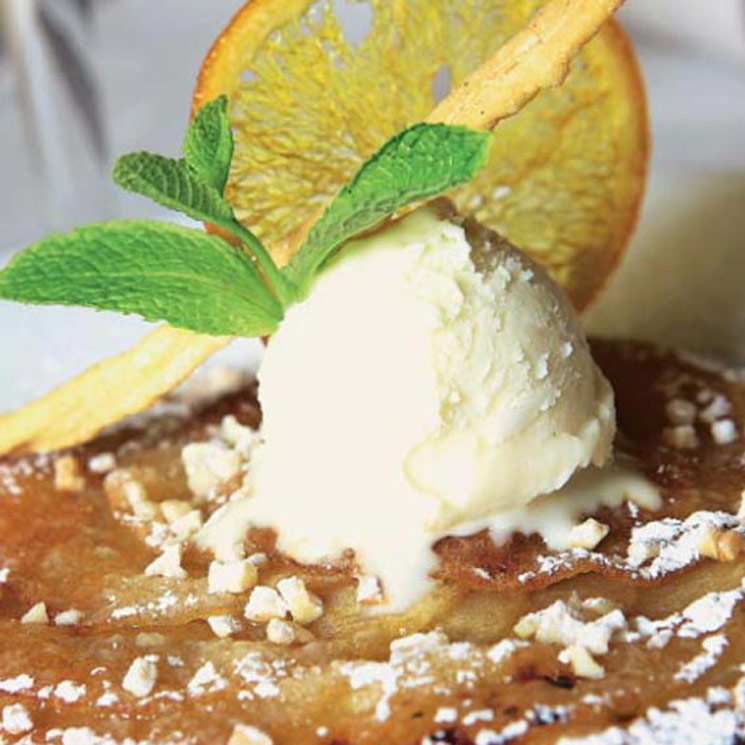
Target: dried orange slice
x,y
309,105
107,392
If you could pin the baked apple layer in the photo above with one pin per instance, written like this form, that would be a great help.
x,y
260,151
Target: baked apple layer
x,y
117,628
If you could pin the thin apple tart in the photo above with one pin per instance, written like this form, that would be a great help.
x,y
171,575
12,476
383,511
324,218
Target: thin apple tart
x,y
118,628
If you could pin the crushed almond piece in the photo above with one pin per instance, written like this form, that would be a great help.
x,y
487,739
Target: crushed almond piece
x,y
231,551
127,494
724,432
134,492
208,466
639,552
681,437
680,411
223,626
231,576
369,591
244,734
168,564
718,408
70,617
102,463
36,614
304,606
141,677
237,435
599,606
174,509
147,510
722,545
583,664
187,525
264,604
68,474
564,624
588,534
279,631
16,720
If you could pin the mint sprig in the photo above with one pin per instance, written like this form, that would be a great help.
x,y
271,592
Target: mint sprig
x,y
171,183
226,285
160,271
195,185
208,145
419,162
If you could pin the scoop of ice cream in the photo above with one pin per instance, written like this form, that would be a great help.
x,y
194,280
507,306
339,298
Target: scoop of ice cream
x,y
433,378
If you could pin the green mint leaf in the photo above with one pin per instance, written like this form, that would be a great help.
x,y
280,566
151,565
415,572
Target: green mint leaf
x,y
173,184
208,145
162,272
419,162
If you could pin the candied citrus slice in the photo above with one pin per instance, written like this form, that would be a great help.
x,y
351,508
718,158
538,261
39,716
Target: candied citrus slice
x,y
308,106
108,391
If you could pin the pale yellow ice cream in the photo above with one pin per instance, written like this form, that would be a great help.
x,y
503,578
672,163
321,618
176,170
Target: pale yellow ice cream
x,y
433,378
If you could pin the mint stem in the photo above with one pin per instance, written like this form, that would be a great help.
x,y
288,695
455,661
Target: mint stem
x,y
283,288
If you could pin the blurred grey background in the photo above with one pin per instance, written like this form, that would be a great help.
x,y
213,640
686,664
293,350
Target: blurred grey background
x,y
83,80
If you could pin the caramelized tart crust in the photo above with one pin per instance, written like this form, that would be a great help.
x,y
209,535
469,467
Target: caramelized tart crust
x,y
452,669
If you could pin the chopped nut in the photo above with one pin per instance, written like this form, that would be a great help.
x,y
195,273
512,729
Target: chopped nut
x,y
724,432
173,509
588,534
227,551
69,617
680,411
134,492
208,466
15,720
681,437
304,606
246,735
582,662
231,576
168,564
187,525
147,510
125,494
718,408
237,435
281,632
527,626
264,604
102,463
369,591
599,606
68,475
258,560
563,624
640,552
223,626
722,545
36,614
141,677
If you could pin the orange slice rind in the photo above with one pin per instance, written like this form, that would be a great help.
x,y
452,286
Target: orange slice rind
x,y
107,392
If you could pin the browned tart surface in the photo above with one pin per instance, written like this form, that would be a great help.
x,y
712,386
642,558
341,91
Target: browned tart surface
x,y
639,640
